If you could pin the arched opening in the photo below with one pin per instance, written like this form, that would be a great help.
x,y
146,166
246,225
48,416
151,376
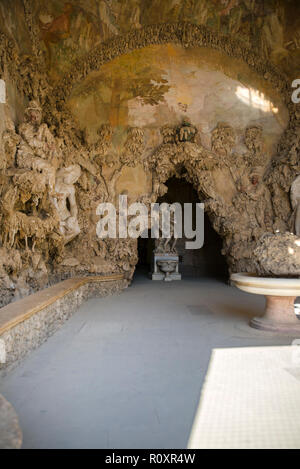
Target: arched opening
x,y
205,262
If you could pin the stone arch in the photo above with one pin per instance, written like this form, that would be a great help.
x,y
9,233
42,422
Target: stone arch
x,y
183,33
236,197
233,220
188,35
207,261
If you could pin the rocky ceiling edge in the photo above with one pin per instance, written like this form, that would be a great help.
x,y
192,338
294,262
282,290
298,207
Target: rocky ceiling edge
x,y
68,30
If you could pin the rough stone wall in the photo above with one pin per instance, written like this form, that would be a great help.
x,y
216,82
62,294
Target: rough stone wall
x,y
40,211
31,333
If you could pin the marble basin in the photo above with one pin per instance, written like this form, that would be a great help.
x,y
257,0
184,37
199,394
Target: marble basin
x,y
280,294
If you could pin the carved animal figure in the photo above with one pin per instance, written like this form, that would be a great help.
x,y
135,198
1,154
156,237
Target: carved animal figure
x,y
19,226
24,226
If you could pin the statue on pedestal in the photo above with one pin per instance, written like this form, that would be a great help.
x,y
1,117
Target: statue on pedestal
x,y
165,255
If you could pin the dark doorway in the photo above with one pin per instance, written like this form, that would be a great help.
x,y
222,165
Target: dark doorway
x,y
205,262
145,249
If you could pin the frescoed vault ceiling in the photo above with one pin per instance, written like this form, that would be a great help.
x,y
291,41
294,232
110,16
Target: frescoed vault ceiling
x,y
160,84
70,29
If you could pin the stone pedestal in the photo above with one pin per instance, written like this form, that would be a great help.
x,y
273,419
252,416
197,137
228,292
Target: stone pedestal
x,y
279,316
280,293
157,274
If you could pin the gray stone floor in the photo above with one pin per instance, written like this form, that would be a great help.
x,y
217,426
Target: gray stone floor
x,y
126,371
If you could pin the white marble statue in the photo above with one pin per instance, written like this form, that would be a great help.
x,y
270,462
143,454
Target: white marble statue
x,y
65,201
295,200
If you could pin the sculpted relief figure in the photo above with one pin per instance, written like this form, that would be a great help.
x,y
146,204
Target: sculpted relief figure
x,y
10,141
295,200
17,226
254,143
65,201
180,154
186,132
254,138
167,245
223,140
38,149
254,199
168,134
130,157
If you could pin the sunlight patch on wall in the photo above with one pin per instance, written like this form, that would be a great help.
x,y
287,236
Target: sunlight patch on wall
x,y
255,99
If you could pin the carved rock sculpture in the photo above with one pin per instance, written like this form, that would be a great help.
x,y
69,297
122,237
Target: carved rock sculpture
x,y
65,201
32,156
37,209
10,265
167,245
10,143
278,255
240,221
252,209
37,150
19,226
223,140
186,132
254,138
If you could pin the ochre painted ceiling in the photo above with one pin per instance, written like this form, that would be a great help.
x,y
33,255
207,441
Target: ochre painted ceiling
x,y
70,29
168,83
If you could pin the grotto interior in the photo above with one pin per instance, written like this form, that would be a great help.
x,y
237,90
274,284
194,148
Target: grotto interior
x,y
80,131
160,101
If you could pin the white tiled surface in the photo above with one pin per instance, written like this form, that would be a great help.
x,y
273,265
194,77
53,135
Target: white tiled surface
x,y
251,399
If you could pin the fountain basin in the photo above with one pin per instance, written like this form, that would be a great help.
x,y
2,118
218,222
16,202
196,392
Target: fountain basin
x,y
280,294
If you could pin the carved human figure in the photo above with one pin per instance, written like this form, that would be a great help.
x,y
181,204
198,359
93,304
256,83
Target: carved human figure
x,y
65,201
167,245
255,143
10,141
130,157
254,138
254,198
186,132
38,149
295,200
223,139
168,134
